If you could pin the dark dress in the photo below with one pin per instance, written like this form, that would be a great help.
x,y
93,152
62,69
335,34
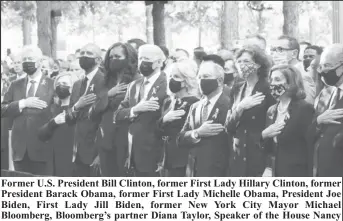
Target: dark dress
x,y
247,158
111,139
61,138
289,152
175,159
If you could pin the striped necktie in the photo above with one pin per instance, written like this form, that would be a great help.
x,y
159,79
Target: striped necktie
x,y
31,92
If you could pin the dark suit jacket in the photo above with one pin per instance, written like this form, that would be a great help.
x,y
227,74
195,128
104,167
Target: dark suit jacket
x,y
290,150
247,158
86,120
326,143
144,144
26,123
210,156
174,157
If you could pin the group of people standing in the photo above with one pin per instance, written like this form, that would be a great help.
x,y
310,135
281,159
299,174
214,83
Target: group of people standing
x,y
139,111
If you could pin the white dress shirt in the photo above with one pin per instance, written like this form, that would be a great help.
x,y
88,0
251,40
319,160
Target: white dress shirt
x,y
147,88
29,79
90,77
212,101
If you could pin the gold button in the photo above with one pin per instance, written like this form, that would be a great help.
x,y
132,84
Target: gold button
x,y
245,131
253,117
245,145
244,159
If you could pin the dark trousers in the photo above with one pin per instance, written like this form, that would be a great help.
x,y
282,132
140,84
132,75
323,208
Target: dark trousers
x,y
34,167
84,170
176,172
108,163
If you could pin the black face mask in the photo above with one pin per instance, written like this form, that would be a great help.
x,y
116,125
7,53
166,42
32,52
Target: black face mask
x,y
62,91
54,74
117,65
277,90
29,67
307,63
146,68
208,86
87,63
331,77
174,86
228,78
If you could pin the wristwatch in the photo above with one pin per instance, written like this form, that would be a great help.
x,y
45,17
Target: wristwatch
x,y
195,134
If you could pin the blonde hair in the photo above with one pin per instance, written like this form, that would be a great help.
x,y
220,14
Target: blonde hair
x,y
188,71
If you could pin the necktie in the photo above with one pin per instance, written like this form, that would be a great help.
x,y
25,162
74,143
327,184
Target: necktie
x,y
31,92
83,86
205,112
142,90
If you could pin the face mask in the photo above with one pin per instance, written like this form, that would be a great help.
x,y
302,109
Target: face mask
x,y
228,78
331,77
277,90
307,63
247,69
54,74
146,68
280,59
62,91
29,67
174,86
117,65
45,72
87,63
208,86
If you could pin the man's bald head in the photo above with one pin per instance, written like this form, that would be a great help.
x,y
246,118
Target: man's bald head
x,y
17,63
90,50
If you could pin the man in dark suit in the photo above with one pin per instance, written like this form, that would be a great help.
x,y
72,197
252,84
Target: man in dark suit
x,y
85,113
203,131
141,106
326,132
27,101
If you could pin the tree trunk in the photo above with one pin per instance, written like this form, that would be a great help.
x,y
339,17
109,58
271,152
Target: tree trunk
x,y
291,18
260,22
149,24
26,28
54,25
158,20
169,37
120,32
312,31
229,24
44,27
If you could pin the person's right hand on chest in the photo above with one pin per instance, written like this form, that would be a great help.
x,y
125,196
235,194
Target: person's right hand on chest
x,y
34,102
145,106
85,101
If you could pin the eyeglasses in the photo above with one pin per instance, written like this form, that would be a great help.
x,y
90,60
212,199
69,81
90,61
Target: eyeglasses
x,y
280,49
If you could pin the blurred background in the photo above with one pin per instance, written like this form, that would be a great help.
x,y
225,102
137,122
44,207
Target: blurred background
x,y
61,27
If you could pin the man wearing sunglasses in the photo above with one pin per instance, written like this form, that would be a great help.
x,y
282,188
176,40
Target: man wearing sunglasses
x,y
286,51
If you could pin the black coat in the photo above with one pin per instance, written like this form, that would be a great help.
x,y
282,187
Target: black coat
x,y
291,149
174,157
210,156
144,145
326,143
247,159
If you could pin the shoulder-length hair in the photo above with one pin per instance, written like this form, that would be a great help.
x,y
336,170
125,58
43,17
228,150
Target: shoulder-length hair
x,y
131,56
294,80
259,57
188,71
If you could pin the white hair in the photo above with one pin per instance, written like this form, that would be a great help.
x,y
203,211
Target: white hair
x,y
152,51
32,49
218,70
188,71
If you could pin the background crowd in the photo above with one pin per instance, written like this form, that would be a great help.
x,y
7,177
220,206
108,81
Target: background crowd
x,y
138,109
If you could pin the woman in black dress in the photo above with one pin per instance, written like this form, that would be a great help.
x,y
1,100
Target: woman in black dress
x,y
284,138
246,119
120,66
56,131
183,91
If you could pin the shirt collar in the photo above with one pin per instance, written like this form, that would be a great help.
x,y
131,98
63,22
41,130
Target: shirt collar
x,y
36,78
153,78
214,99
91,75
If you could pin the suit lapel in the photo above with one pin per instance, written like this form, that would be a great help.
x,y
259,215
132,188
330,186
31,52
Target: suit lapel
x,y
216,108
157,85
23,88
41,90
136,89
